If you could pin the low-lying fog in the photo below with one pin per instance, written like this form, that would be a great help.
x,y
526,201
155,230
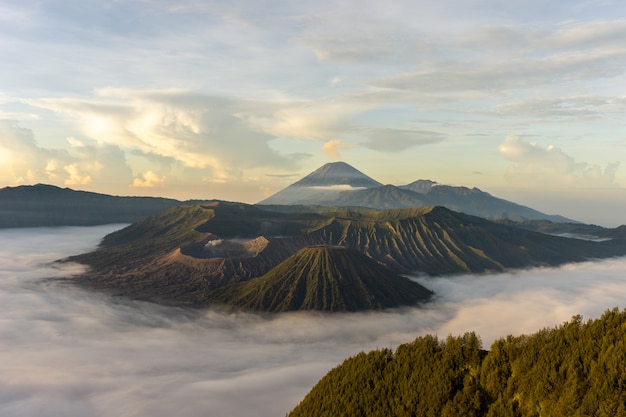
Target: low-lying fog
x,y
69,352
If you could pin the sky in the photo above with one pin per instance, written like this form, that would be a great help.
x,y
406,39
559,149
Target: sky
x,y
236,100
69,352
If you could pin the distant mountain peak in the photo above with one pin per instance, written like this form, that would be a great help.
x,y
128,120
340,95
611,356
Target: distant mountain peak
x,y
340,184
337,173
421,186
323,184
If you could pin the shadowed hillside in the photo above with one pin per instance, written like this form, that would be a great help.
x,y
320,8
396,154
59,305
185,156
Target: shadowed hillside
x,y
184,254
328,278
46,205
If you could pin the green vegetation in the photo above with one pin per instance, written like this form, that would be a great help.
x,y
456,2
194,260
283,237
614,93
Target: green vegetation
x,y
576,369
327,278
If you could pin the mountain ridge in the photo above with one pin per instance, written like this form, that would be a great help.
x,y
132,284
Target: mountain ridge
x,y
323,184
421,192
324,278
48,205
183,255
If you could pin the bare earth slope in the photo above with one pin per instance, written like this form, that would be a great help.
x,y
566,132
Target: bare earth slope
x,y
184,254
327,278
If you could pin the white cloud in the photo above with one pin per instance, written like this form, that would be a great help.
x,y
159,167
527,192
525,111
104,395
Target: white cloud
x,y
109,356
315,119
333,147
337,187
75,177
22,160
536,166
148,179
85,162
197,131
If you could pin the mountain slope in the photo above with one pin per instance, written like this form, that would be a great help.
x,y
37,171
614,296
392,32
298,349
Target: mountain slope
x,y
322,184
327,278
339,184
183,255
381,198
47,205
477,202
337,173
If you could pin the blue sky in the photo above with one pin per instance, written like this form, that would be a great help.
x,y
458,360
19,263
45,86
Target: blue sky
x,y
201,99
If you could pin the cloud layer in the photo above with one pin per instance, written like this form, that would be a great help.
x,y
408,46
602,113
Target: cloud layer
x,y
65,351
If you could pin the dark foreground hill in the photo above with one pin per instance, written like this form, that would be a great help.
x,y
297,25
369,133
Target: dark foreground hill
x,y
576,369
183,255
46,205
326,278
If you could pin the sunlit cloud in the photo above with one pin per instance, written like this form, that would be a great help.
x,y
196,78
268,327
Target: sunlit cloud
x,y
309,119
83,163
197,131
538,166
22,158
75,177
333,148
148,179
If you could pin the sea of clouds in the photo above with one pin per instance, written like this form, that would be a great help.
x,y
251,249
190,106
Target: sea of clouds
x,y
65,351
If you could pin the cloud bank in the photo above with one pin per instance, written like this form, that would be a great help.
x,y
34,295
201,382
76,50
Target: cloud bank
x,y
65,351
542,167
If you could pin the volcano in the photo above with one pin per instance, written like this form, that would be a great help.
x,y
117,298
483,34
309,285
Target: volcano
x,y
326,278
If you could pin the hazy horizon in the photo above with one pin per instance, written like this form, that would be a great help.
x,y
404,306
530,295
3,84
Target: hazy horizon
x,y
236,100
72,352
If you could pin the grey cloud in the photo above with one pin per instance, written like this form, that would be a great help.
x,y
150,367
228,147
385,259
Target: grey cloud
x,y
66,351
567,36
564,108
397,140
459,76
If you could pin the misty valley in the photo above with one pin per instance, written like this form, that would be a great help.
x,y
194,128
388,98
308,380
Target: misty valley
x,y
68,351
312,208
262,310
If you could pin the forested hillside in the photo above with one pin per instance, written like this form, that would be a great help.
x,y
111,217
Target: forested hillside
x,y
576,369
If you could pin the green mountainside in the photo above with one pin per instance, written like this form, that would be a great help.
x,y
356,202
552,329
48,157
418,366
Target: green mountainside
x,y
183,255
327,278
576,369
